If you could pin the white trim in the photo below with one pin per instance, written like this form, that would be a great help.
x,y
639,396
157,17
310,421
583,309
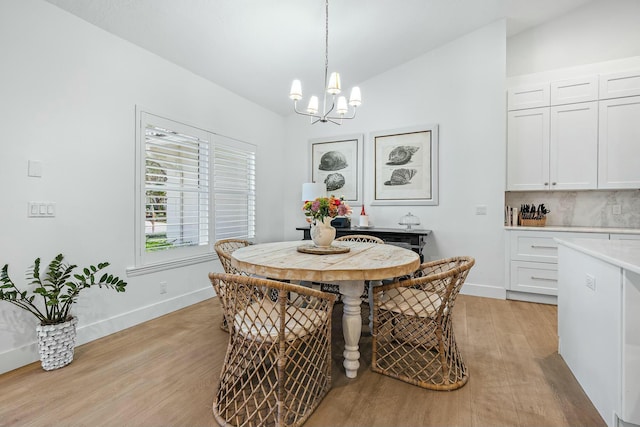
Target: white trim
x,y
485,291
528,297
168,265
28,353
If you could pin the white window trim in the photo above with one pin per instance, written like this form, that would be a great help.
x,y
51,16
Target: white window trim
x,y
145,264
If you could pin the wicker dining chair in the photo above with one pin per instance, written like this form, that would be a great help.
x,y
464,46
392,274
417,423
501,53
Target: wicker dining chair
x,y
224,248
363,238
277,367
413,337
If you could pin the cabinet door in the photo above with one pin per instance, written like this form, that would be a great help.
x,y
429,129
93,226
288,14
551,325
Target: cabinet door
x,y
528,97
617,85
528,149
573,152
570,91
619,143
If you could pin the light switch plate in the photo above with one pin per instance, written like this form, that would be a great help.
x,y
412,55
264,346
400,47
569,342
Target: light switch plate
x,y
35,168
41,209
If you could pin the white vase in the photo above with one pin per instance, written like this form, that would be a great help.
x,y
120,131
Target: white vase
x,y
322,233
56,344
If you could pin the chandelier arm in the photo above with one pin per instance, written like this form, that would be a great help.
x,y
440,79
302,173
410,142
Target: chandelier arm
x,y
353,115
302,113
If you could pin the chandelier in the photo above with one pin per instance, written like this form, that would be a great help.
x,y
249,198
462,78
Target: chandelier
x,y
338,108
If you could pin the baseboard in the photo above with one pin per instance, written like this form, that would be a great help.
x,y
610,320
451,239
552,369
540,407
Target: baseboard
x,y
28,353
483,291
529,297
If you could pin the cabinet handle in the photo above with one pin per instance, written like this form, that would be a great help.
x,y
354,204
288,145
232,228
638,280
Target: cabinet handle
x,y
543,247
546,183
543,278
553,183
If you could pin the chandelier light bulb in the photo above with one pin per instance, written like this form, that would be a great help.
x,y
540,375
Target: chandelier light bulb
x,y
342,107
356,98
312,108
296,90
333,87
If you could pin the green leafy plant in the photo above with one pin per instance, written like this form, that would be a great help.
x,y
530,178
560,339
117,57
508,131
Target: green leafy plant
x,y
57,288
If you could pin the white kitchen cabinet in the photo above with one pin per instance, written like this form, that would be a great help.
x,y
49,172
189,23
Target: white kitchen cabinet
x,y
571,91
528,149
528,97
619,143
599,324
532,258
622,236
553,148
621,84
573,147
588,138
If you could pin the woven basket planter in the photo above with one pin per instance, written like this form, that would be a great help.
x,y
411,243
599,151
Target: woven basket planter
x,y
533,222
56,344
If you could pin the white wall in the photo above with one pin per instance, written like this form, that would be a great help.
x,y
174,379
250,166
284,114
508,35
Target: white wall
x,y
603,30
68,92
460,87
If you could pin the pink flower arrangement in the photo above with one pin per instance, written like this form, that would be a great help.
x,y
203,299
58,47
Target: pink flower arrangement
x,y
323,207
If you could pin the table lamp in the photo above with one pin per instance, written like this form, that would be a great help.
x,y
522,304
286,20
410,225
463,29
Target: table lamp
x,y
313,190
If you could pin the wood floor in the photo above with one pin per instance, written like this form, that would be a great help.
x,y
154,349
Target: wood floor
x,y
164,373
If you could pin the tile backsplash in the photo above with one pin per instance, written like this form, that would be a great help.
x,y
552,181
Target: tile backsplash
x,y
597,208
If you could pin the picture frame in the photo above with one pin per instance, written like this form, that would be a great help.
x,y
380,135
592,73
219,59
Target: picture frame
x,y
337,162
406,166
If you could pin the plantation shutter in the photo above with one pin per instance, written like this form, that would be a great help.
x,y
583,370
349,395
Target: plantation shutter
x,y
176,189
234,189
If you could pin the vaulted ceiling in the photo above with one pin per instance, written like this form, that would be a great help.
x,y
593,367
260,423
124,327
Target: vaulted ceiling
x,y
255,48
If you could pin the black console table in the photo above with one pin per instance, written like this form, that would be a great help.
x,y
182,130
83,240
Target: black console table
x,y
413,239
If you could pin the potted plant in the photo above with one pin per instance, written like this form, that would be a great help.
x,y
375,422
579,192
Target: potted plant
x,y
59,289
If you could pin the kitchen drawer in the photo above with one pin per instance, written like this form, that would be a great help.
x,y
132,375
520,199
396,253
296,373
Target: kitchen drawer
x,y
540,246
623,236
534,277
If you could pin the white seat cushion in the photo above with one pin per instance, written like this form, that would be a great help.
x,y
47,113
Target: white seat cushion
x,y
264,322
412,302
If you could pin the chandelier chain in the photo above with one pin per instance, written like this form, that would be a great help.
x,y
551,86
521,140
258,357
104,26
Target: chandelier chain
x,y
326,41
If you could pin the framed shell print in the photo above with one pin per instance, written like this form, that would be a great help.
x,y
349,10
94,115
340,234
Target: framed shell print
x,y
406,166
337,162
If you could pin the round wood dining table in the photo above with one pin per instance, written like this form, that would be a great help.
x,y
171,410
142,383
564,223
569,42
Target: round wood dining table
x,y
364,262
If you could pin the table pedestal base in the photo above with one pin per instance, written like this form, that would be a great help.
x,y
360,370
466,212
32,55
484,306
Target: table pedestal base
x,y
351,324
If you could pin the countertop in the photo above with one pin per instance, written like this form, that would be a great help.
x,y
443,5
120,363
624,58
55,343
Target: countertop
x,y
610,230
621,253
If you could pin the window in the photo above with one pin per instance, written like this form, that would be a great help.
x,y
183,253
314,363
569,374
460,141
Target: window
x,y
186,178
234,188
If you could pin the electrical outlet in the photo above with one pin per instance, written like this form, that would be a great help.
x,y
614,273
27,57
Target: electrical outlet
x,y
163,287
590,281
616,209
481,210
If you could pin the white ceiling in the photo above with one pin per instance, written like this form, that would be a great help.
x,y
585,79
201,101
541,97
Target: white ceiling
x,y
255,48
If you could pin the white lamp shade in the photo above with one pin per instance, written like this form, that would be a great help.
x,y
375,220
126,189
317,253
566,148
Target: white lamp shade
x,y
356,98
342,107
313,190
313,105
296,90
334,84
